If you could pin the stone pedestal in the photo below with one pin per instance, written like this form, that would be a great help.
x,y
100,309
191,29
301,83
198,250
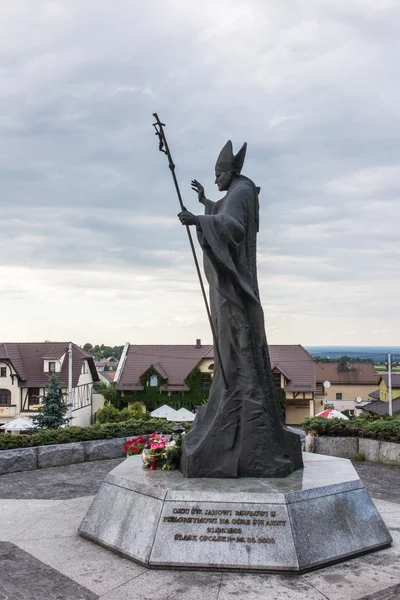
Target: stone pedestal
x,y
315,516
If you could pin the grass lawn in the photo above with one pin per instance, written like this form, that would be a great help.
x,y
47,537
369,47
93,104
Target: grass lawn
x,y
382,369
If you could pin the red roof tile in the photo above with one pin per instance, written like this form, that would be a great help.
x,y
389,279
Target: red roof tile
x,y
382,408
297,364
347,373
27,359
395,380
178,361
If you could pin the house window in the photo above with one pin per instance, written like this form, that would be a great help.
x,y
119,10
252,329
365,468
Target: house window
x,y
52,367
153,381
5,396
33,396
339,396
3,371
83,370
277,379
205,381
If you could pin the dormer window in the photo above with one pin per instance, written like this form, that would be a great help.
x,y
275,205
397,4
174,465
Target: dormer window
x,y
277,379
153,381
52,367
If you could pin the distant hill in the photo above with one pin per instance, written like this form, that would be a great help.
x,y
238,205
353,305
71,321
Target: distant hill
x,y
376,354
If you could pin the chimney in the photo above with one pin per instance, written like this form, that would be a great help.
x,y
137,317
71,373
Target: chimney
x,y
198,343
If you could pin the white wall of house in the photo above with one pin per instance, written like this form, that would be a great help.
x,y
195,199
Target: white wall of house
x,y
82,397
102,378
81,394
7,382
46,365
204,365
82,417
97,402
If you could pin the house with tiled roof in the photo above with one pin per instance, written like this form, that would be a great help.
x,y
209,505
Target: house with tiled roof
x,y
24,372
172,373
104,364
384,386
157,371
106,377
350,385
293,369
379,404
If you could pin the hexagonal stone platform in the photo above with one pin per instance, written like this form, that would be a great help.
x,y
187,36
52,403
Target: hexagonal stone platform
x,y
316,516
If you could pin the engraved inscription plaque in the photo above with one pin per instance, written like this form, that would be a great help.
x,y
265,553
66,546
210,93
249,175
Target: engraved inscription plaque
x,y
223,534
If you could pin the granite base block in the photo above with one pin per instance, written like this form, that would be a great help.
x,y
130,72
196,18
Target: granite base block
x,y
316,516
104,449
57,455
389,453
344,447
20,459
370,449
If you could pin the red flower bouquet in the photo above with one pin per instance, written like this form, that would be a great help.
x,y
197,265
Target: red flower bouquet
x,y
135,445
156,451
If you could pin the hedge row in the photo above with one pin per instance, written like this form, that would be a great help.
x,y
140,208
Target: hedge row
x,y
386,430
84,434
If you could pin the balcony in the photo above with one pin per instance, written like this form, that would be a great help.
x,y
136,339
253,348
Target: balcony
x,y
8,410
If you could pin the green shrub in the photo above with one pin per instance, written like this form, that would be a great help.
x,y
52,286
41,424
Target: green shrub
x,y
108,414
92,432
137,409
385,429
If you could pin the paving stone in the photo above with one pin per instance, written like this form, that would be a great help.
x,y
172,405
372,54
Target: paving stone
x,y
62,522
19,515
381,481
91,566
271,587
57,483
174,585
23,577
354,579
391,593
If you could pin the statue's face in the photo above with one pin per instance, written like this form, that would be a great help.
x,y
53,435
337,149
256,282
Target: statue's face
x,y
223,179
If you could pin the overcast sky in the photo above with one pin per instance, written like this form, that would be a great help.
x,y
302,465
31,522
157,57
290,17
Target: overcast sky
x,y
91,248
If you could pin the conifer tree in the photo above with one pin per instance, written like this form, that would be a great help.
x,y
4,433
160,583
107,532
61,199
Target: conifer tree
x,y
53,406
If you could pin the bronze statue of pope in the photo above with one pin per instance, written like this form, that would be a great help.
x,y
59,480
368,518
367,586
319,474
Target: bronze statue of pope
x,y
240,432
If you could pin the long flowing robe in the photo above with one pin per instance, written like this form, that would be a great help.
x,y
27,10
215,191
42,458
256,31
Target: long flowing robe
x,y
240,432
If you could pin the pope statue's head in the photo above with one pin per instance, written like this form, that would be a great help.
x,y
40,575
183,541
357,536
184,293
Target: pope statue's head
x,y
228,165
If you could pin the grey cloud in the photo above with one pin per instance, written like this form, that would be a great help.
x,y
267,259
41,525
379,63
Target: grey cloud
x,y
312,88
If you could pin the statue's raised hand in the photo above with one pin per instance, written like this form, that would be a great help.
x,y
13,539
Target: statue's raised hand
x,y
197,187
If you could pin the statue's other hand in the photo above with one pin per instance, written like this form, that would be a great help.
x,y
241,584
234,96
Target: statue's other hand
x,y
198,188
187,218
